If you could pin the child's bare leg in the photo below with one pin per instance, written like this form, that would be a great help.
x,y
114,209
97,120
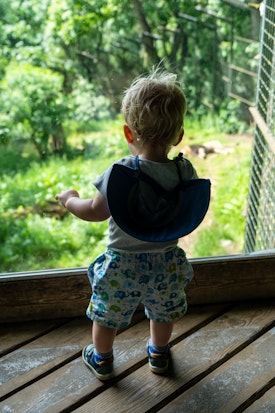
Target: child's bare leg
x,y
160,333
158,347
103,338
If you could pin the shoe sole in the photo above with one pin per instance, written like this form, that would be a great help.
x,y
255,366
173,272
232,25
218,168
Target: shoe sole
x,y
158,370
99,376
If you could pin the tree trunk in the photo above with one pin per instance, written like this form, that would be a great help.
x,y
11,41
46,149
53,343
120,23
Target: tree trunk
x,y
147,36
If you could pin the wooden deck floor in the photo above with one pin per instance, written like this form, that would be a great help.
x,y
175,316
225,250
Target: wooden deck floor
x,y
223,361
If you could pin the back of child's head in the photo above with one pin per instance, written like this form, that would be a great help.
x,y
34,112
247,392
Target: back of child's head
x,y
154,107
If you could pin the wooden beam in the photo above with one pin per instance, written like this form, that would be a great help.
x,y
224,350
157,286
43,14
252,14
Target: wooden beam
x,y
260,122
233,278
243,70
63,293
242,99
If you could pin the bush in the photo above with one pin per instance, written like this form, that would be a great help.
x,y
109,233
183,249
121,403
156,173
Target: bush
x,y
38,242
36,108
87,104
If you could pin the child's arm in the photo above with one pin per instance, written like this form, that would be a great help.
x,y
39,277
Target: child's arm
x,y
87,209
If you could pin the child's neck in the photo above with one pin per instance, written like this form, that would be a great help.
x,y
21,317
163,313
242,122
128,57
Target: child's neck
x,y
154,153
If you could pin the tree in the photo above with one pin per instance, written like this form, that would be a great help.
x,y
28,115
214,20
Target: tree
x,y
33,101
98,47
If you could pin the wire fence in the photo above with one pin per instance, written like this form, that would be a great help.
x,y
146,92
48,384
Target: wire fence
x,y
260,223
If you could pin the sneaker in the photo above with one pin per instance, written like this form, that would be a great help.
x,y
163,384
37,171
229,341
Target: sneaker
x,y
102,370
158,362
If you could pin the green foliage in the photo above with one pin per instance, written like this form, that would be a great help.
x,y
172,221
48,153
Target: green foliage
x,y
31,236
15,158
36,108
86,105
230,117
80,56
22,28
37,233
37,242
63,67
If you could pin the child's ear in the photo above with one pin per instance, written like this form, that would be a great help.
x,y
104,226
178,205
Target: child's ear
x,y
128,134
180,136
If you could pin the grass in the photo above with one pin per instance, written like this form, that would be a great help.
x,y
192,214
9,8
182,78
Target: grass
x,y
222,232
31,238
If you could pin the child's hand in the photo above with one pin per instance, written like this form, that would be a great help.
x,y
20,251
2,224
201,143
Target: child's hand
x,y
64,196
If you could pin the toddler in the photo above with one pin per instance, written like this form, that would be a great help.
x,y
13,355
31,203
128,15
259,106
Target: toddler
x,y
139,195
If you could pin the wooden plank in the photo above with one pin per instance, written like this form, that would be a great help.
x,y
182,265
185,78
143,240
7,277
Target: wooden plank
x,y
232,384
64,339
40,298
14,335
45,353
266,404
262,125
76,380
193,358
66,292
229,279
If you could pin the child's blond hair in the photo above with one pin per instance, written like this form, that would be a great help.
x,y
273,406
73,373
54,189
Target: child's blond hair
x,y
154,107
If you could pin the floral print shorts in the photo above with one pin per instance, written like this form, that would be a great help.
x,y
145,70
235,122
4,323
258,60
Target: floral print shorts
x,y
122,280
